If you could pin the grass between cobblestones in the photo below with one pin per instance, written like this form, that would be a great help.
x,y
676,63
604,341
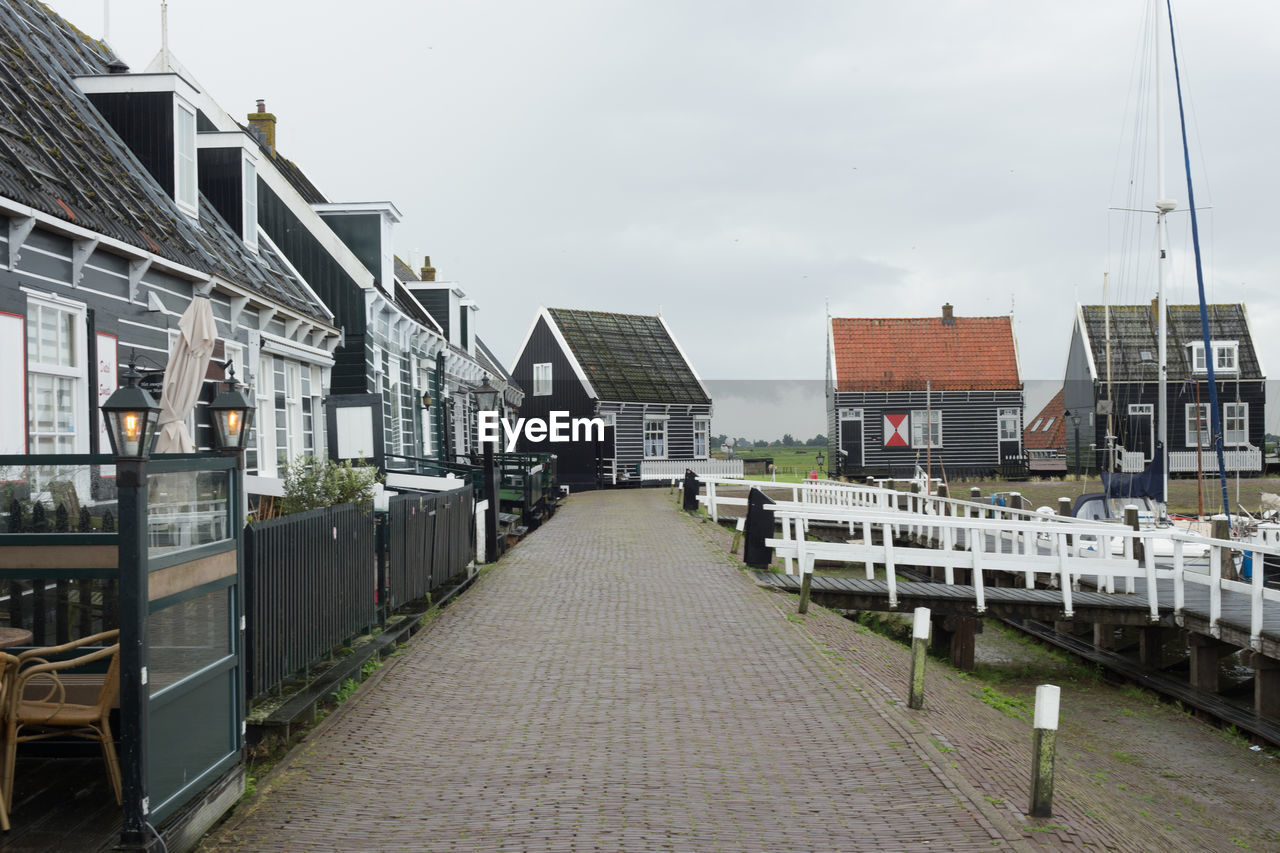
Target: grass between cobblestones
x,y
1132,772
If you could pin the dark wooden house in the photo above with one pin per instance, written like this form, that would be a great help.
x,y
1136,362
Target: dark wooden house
x,y
117,210
908,391
625,369
1044,440
1114,423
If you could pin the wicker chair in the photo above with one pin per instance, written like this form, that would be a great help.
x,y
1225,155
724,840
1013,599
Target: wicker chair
x,y
32,712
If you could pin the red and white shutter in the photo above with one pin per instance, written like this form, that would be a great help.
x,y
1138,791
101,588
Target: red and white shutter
x,y
896,430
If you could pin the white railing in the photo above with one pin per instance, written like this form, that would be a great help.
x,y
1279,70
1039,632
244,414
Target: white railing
x,y
1045,550
665,469
1184,461
980,538
1131,461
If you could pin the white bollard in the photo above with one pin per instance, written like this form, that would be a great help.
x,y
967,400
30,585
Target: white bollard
x,y
1045,734
919,645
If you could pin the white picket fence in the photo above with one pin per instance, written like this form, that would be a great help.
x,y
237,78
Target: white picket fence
x,y
668,469
1052,549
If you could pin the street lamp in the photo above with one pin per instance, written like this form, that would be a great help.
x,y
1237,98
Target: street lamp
x,y
488,400
1075,426
232,416
821,460
131,417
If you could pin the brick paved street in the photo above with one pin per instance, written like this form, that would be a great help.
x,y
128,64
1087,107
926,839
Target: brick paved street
x,y
614,683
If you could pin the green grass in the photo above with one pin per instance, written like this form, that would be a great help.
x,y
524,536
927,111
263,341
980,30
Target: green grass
x,y
1010,706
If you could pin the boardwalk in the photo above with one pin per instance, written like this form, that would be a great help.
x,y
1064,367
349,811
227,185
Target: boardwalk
x,y
615,683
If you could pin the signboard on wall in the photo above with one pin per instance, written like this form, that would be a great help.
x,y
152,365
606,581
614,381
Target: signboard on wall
x,y
108,381
896,430
13,382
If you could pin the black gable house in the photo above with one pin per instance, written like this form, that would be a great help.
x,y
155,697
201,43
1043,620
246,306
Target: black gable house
x,y
627,370
111,226
1114,425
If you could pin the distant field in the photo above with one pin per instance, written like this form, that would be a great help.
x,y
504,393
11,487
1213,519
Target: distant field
x,y
795,463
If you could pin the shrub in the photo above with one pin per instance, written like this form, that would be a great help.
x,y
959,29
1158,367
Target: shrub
x,y
311,483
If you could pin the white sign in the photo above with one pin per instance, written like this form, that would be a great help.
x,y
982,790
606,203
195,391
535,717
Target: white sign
x,y
108,381
355,432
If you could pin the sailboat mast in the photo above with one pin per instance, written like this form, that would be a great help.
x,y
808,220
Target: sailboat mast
x,y
1163,206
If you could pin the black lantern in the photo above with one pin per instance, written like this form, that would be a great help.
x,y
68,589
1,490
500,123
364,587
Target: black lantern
x,y
131,416
232,415
821,459
487,397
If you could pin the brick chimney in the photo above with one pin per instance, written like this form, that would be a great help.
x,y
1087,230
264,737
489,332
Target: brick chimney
x,y
948,319
265,123
428,272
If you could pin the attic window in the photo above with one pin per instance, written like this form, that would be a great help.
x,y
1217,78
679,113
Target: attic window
x,y
1048,425
1226,357
184,136
1035,426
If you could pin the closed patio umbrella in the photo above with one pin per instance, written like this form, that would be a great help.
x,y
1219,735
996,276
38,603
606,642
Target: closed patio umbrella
x,y
188,363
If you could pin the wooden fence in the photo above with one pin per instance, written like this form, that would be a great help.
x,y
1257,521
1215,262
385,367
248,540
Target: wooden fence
x,y
428,541
310,584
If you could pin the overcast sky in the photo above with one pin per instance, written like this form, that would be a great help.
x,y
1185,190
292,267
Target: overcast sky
x,y
737,165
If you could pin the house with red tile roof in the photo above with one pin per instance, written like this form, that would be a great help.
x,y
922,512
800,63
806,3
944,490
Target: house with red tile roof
x,y
1045,439
943,392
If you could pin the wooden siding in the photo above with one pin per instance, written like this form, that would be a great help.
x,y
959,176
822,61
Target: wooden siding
x,y
970,428
436,301
222,183
144,121
362,234
339,292
629,432
576,462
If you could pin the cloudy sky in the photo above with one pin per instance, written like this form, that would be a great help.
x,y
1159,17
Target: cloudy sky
x,y
741,165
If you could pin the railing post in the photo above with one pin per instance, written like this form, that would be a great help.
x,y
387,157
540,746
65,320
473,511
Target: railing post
x,y
1220,566
1131,522
1064,575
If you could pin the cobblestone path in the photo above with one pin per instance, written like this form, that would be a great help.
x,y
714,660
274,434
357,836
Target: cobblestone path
x,y
614,683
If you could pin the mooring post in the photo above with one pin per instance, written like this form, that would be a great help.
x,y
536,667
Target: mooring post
x,y
690,490
975,494
806,580
1042,750
1064,509
1131,522
919,645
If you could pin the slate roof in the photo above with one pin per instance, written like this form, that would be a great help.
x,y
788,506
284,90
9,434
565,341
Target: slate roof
x,y
490,362
295,176
629,357
1047,430
903,353
1134,331
58,155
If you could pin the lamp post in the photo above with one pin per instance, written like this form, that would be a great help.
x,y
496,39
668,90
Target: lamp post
x,y
131,417
821,460
488,400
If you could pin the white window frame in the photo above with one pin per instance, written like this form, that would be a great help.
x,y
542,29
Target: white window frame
x,y
1011,418
75,373
1226,357
1206,426
702,429
917,427
185,184
1235,413
542,379
249,208
265,416
659,435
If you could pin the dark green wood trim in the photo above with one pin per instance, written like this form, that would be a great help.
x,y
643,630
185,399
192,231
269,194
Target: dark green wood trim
x,y
24,539
188,555
194,592
196,679
59,574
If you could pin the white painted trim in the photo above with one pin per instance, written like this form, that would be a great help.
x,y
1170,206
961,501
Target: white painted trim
x,y
687,362
386,208
564,347
224,139
67,229
1088,344
276,345
831,352
324,235
142,82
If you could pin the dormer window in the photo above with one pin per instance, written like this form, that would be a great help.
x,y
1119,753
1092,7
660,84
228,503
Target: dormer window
x,y
228,180
184,134
1226,357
